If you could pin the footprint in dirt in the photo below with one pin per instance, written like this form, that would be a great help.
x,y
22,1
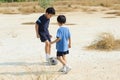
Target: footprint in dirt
x,y
12,34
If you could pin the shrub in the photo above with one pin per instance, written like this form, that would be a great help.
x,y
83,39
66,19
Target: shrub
x,y
105,41
45,3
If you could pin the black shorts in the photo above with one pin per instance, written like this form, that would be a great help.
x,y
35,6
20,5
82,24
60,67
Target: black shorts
x,y
44,37
62,53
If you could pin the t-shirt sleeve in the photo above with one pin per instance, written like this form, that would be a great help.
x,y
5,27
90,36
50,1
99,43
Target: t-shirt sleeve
x,y
38,21
59,34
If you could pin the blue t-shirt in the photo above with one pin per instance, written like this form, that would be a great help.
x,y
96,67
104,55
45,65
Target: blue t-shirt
x,y
64,34
43,24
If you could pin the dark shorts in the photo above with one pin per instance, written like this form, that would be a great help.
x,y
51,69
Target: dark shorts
x,y
62,53
44,37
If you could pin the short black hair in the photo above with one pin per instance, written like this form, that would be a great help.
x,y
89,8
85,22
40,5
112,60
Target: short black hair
x,y
61,19
50,10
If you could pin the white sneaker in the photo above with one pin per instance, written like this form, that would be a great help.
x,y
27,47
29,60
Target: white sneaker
x,y
67,69
47,57
61,69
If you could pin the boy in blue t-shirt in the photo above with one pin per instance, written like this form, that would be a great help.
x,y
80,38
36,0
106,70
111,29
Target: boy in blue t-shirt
x,y
42,32
63,43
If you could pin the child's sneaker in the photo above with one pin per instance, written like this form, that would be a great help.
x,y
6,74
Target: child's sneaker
x,y
67,69
47,57
61,69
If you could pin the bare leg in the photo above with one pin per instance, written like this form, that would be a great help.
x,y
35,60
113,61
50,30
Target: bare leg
x,y
61,60
47,47
64,58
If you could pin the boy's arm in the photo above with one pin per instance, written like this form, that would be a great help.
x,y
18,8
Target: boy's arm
x,y
69,44
36,29
56,40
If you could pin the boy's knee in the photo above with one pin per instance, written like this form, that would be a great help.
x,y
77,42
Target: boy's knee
x,y
59,57
47,42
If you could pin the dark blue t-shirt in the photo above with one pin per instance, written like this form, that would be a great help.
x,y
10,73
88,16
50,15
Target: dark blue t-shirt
x,y
43,24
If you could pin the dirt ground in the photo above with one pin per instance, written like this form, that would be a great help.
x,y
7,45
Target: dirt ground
x,y
22,54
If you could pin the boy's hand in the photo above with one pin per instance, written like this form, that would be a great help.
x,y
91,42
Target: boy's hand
x,y
51,42
69,45
50,36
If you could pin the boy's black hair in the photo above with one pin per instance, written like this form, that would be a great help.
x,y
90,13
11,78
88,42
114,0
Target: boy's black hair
x,y
50,10
61,19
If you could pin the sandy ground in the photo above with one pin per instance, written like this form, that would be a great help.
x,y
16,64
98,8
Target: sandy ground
x,y
22,54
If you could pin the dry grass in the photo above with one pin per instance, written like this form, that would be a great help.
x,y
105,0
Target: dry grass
x,y
116,6
30,9
105,3
88,10
110,17
117,45
20,7
8,10
105,42
28,23
17,4
32,23
29,71
60,6
117,13
48,72
73,5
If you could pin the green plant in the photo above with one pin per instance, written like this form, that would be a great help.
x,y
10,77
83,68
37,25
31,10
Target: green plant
x,y
45,3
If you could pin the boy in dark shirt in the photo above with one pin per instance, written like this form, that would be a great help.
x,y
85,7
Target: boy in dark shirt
x,y
42,31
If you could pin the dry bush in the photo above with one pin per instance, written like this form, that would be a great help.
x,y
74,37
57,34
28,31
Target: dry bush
x,y
20,7
63,9
116,7
114,12
117,13
30,9
17,4
9,11
106,41
73,5
29,23
110,17
117,45
88,9
105,3
63,6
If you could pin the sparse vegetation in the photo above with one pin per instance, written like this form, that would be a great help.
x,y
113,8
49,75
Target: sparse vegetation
x,y
16,0
105,42
45,3
33,6
117,13
29,23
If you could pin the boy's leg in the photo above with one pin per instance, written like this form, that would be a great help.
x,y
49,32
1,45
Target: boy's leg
x,y
60,58
47,49
68,68
64,58
65,67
